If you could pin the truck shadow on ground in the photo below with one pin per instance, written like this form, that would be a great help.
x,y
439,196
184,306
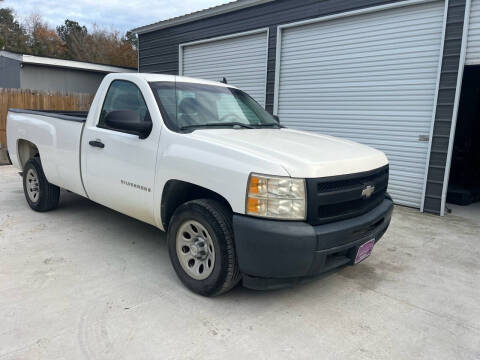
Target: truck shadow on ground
x,y
145,241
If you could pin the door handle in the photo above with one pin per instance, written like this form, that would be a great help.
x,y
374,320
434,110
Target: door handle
x,y
97,143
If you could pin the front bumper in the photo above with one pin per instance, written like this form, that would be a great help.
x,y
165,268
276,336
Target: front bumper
x,y
273,254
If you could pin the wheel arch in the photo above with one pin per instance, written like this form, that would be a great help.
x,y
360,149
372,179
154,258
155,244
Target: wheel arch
x,y
26,150
178,192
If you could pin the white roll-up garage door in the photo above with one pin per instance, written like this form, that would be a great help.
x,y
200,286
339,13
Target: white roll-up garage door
x,y
370,77
241,59
473,39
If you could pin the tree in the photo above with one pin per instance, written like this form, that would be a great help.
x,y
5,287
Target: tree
x,y
12,35
132,39
68,41
75,38
44,41
109,47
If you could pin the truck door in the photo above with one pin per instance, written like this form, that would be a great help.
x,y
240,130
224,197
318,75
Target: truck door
x,y
120,166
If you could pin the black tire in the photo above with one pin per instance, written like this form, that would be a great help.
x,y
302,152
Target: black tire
x,y
217,219
48,194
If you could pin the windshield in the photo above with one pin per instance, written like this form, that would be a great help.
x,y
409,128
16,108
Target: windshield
x,y
189,106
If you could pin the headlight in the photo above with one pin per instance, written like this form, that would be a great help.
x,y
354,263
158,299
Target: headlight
x,y
276,197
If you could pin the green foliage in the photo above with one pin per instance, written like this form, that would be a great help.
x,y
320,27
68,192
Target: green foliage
x,y
131,38
13,36
71,29
74,36
70,40
45,41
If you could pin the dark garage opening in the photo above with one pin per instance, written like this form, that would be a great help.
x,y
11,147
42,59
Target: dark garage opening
x,y
464,183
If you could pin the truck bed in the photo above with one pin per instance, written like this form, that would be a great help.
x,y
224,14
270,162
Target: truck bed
x,y
57,136
79,116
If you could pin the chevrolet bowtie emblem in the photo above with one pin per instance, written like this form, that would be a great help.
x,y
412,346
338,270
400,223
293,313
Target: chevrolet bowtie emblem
x,y
368,191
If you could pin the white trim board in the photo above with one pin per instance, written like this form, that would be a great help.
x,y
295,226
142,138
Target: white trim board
x,y
458,89
68,64
435,101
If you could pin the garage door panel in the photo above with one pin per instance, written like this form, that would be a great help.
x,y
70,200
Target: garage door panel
x,y
371,134
344,35
408,58
217,66
371,78
388,20
367,94
233,46
355,104
352,42
242,60
245,58
348,38
406,63
348,73
373,51
219,57
371,124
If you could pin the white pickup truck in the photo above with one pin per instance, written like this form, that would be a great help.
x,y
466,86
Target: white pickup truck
x,y
241,197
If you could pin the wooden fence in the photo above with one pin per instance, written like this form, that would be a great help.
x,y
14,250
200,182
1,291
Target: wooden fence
x,y
36,100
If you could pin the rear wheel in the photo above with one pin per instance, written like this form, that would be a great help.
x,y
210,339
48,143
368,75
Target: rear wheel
x,y
201,247
39,193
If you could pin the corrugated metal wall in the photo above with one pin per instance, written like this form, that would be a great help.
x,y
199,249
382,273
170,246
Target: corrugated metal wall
x,y
159,50
473,42
241,60
44,78
370,78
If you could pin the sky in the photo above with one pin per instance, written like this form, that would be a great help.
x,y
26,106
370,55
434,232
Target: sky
x,y
120,15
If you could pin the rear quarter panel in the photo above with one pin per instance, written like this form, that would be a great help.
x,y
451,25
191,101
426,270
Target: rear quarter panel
x,y
58,142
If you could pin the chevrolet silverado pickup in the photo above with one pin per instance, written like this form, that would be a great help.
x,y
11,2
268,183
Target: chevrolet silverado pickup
x,y
241,197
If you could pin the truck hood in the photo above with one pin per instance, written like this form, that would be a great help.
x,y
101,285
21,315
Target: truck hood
x,y
301,154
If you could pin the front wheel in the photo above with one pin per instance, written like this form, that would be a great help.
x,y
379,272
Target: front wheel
x,y
201,247
40,194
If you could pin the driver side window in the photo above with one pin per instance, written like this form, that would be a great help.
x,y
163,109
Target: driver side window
x,y
123,95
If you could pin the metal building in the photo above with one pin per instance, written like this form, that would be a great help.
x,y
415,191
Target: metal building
x,y
384,73
19,71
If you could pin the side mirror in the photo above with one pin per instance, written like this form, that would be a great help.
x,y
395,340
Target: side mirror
x,y
128,120
276,118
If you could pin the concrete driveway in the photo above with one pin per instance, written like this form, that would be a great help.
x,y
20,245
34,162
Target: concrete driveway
x,y
84,282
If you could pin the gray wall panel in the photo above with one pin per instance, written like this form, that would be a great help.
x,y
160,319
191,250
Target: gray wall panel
x,y
43,78
9,73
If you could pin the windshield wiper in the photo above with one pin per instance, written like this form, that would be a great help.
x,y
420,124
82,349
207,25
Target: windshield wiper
x,y
277,125
219,124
